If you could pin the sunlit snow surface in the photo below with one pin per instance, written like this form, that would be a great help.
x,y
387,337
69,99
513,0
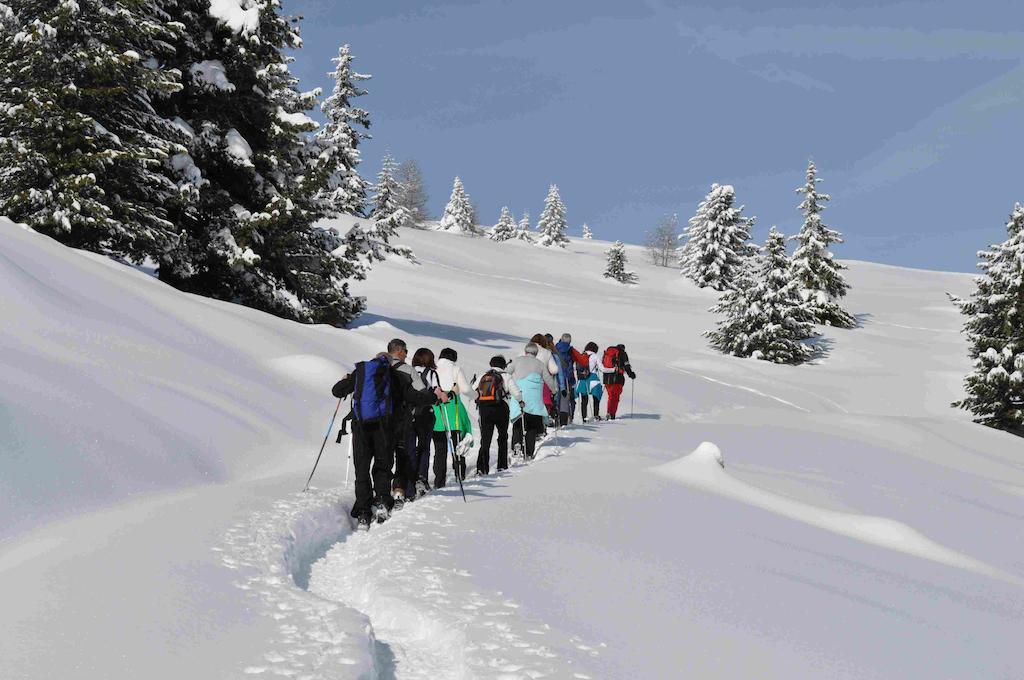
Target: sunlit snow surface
x,y
154,446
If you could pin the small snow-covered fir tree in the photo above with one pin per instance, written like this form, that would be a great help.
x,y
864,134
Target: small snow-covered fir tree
x,y
413,194
717,241
458,214
505,229
523,232
341,189
375,244
995,330
83,150
818,274
587,234
552,224
765,317
616,267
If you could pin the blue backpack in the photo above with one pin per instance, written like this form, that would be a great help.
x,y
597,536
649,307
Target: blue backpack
x,y
372,400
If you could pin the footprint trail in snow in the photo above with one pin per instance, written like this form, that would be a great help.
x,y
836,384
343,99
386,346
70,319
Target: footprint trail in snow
x,y
436,620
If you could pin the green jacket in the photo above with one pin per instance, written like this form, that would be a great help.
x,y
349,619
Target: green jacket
x,y
458,416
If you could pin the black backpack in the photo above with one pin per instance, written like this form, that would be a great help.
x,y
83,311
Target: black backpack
x,y
582,372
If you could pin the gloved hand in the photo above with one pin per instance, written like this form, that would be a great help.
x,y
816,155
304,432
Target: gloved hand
x,y
522,406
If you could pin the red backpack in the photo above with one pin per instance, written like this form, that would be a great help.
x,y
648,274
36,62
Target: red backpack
x,y
611,359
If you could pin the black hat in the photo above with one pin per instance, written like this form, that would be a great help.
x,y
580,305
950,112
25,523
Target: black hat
x,y
591,347
499,362
449,354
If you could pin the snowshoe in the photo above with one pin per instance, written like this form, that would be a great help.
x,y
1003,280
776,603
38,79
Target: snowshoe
x,y
421,489
380,511
399,497
363,523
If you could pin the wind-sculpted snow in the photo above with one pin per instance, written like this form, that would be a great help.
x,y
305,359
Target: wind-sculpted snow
x,y
273,552
704,469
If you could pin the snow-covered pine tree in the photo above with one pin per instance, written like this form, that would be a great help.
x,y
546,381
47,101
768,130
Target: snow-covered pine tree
x,y
340,188
587,234
375,243
765,318
818,274
523,232
552,224
458,213
81,147
250,234
995,330
717,241
413,194
616,267
505,229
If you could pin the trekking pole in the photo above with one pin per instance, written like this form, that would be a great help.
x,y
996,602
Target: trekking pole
x,y
348,462
330,427
451,450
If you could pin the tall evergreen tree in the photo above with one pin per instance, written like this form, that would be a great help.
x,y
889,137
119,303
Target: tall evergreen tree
x,y
413,194
458,213
717,241
587,234
505,229
340,188
82,147
552,224
995,330
616,265
661,241
765,318
388,216
821,283
259,182
523,232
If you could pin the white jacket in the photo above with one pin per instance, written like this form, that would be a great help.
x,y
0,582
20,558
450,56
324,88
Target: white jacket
x,y
596,366
452,379
544,357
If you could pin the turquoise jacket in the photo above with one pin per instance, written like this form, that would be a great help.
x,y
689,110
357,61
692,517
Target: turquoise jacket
x,y
591,386
533,394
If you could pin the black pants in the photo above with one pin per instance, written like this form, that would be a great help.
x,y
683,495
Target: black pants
x,y
371,445
584,399
441,457
491,418
533,425
423,429
404,440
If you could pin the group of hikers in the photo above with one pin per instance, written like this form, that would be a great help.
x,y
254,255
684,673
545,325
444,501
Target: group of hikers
x,y
400,409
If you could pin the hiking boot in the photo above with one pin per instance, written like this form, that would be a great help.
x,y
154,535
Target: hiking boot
x,y
363,523
380,511
399,497
421,489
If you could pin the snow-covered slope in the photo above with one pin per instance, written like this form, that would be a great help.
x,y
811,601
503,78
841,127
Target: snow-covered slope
x,y
155,443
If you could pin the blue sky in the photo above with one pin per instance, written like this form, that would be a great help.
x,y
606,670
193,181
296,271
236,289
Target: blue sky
x,y
912,111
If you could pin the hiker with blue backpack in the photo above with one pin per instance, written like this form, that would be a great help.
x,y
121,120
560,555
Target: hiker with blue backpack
x,y
382,395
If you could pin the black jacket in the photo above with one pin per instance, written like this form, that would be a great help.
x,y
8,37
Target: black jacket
x,y
404,395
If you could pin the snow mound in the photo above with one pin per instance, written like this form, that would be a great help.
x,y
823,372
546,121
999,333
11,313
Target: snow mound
x,y
704,469
309,370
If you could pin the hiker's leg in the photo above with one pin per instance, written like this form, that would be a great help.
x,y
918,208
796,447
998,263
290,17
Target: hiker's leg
x,y
440,459
383,461
584,400
361,462
614,392
424,426
483,459
502,425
